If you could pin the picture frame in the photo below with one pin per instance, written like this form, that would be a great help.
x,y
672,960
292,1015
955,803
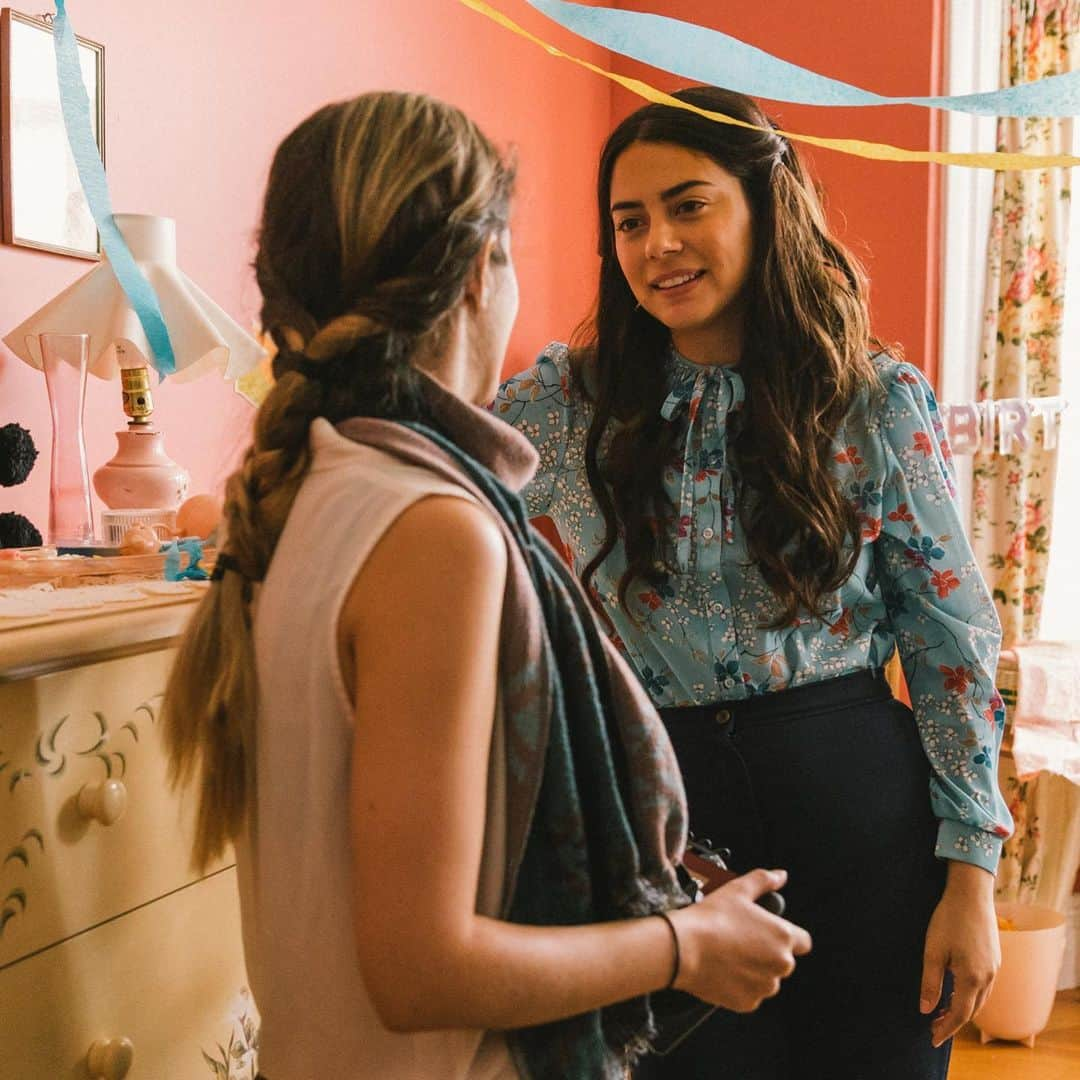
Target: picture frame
x,y
42,204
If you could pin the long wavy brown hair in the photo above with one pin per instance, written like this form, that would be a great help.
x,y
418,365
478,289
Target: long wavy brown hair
x,y
375,212
805,360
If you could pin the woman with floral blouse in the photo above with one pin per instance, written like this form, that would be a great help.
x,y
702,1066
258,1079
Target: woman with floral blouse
x,y
761,505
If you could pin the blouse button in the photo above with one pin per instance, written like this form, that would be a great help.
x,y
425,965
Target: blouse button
x,y
723,717
729,682
707,534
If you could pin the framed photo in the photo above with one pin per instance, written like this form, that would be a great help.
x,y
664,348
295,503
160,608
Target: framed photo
x,y
42,199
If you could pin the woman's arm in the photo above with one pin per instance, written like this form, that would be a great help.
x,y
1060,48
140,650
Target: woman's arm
x,y
946,628
423,620
539,402
948,634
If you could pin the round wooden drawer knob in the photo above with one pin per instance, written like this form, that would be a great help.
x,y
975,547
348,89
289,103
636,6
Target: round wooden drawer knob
x,y
110,1059
104,802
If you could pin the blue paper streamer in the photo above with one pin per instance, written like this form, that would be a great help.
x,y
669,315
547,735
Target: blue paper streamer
x,y
195,571
75,107
709,56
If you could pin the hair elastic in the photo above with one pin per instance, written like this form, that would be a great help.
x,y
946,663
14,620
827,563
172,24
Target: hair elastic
x,y
225,562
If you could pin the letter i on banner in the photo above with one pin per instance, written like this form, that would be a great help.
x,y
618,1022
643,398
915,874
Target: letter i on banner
x,y
988,412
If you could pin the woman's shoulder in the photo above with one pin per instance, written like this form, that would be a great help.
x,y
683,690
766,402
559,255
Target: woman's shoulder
x,y
899,380
894,385
551,378
547,397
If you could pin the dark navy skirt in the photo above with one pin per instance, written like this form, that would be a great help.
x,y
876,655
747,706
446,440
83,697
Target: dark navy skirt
x,y
828,781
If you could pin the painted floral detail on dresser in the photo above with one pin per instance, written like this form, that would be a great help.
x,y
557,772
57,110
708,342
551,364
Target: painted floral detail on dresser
x,y
14,903
239,1058
68,740
87,736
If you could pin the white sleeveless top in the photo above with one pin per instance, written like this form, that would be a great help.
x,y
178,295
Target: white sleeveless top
x,y
294,860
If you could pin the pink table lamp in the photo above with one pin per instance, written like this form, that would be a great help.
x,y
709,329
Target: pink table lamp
x,y
95,309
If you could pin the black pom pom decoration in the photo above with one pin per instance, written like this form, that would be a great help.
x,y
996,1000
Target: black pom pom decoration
x,y
17,531
17,454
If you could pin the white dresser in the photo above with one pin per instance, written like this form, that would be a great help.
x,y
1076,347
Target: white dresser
x,y
116,959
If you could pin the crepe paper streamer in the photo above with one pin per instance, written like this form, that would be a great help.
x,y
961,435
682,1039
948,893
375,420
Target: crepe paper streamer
x,y
75,107
709,56
856,147
1004,426
255,385
193,547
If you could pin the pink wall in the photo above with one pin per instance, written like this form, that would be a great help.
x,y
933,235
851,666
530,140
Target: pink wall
x,y
887,213
198,96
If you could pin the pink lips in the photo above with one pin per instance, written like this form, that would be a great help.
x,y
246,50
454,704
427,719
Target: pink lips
x,y
677,290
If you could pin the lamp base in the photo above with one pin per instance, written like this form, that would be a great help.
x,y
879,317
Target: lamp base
x,y
140,473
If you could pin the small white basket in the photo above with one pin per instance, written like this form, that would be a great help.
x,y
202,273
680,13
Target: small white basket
x,y
115,523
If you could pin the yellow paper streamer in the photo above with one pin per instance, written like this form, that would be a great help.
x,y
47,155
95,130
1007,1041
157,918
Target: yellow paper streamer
x,y
254,386
857,147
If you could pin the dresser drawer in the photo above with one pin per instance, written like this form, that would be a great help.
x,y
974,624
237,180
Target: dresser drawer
x,y
61,871
169,977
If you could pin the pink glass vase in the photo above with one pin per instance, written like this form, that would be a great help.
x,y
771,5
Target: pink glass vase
x,y
71,516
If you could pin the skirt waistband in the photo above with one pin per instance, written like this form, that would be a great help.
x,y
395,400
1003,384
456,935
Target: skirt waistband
x,y
846,691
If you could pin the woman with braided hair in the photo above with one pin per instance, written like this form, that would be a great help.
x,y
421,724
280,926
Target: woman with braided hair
x,y
759,499
452,805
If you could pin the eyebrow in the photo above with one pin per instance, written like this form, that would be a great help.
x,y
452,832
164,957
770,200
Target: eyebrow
x,y
668,193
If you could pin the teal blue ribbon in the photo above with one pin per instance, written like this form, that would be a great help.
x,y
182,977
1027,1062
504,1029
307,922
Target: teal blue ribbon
x,y
709,56
75,107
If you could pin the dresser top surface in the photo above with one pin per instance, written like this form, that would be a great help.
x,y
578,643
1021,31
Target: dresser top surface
x,y
45,641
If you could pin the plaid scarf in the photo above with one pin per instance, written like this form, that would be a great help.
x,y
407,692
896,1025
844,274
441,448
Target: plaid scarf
x,y
596,814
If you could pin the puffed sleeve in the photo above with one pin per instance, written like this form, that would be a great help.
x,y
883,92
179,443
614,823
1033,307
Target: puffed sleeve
x,y
539,403
946,628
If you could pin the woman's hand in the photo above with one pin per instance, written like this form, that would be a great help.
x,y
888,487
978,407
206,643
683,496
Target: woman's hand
x,y
733,952
963,938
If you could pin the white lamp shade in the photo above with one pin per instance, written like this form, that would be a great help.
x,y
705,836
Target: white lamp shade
x,y
203,336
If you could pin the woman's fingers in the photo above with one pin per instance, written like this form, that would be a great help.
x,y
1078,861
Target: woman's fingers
x,y
746,952
933,974
961,1009
970,990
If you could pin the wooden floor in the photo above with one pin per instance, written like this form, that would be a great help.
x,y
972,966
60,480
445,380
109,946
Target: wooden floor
x,y
1056,1055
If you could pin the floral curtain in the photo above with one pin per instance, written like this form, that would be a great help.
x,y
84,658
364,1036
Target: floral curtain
x,y
1039,862
1012,494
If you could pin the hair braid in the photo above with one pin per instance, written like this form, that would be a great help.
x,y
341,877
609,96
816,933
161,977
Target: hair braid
x,y
375,212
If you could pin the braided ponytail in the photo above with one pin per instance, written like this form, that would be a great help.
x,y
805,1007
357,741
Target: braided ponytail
x,y
375,212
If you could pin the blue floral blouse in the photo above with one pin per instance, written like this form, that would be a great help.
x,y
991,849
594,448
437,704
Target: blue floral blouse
x,y
698,637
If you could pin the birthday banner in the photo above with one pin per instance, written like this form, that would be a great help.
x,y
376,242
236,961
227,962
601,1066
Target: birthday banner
x,y
626,32
1004,426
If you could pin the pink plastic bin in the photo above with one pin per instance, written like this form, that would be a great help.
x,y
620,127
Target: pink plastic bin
x,y
1022,997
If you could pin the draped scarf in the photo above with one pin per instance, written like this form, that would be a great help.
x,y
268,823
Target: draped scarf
x,y
596,813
